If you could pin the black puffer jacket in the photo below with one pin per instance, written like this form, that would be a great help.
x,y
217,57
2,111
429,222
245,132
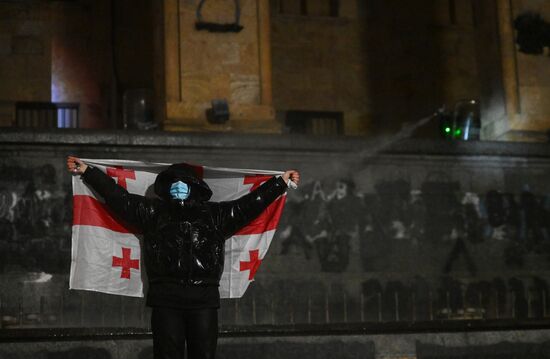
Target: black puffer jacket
x,y
184,240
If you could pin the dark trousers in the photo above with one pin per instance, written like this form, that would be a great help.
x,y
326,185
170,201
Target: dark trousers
x,y
174,328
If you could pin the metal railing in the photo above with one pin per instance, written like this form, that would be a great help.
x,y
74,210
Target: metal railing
x,y
46,115
83,309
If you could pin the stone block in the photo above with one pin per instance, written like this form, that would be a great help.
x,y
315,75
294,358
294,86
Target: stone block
x,y
249,54
198,57
7,114
31,89
207,76
219,86
245,89
349,9
252,112
441,13
14,66
230,53
318,8
207,58
13,10
187,116
249,9
289,7
534,100
219,12
355,123
177,112
8,26
196,88
214,65
28,45
31,28
5,44
464,13
533,70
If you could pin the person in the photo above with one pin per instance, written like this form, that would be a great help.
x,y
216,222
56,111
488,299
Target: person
x,y
183,248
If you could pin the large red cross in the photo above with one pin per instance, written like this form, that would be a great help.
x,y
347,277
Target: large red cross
x,y
121,174
126,263
256,180
269,218
251,265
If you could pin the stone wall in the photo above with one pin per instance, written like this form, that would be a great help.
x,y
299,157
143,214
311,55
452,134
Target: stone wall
x,y
533,78
514,108
440,233
380,63
320,62
25,55
467,345
81,59
425,232
62,52
201,66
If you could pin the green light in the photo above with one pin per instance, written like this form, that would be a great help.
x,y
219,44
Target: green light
x,y
458,132
447,129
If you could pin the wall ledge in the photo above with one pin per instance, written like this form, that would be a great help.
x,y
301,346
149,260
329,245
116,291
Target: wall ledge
x,y
365,147
442,326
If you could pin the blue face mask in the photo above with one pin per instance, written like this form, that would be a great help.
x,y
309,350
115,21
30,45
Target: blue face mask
x,y
180,190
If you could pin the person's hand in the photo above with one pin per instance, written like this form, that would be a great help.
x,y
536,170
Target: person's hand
x,y
292,175
75,165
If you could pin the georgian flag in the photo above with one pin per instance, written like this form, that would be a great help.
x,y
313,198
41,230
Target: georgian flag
x,y
106,253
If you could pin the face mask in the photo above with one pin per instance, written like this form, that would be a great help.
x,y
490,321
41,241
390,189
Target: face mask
x,y
180,190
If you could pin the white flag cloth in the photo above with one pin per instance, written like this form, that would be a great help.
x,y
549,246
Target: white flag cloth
x,y
106,253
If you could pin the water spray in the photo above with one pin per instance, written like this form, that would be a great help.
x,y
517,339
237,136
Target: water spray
x,y
406,131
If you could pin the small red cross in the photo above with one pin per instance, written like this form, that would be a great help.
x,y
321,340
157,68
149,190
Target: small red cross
x,y
121,174
252,265
126,263
256,180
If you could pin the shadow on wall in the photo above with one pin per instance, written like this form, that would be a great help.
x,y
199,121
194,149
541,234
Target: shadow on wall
x,y
437,228
35,220
405,62
397,253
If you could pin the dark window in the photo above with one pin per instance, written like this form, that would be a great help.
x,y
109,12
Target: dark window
x,y
315,122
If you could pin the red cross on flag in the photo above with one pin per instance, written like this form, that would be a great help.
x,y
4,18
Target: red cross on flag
x,y
106,253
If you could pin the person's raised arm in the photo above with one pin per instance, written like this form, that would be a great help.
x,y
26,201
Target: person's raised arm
x,y
132,208
291,175
234,215
75,165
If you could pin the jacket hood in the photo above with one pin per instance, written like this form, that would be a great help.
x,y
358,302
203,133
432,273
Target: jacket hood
x,y
185,173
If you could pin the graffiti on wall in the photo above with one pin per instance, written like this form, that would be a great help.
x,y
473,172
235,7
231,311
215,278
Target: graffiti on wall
x,y
35,215
439,238
396,221
323,224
